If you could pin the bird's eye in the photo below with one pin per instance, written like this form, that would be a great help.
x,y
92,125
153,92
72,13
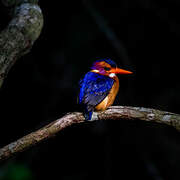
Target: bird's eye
x,y
106,68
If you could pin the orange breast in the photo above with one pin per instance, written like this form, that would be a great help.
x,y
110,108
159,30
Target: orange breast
x,y
108,101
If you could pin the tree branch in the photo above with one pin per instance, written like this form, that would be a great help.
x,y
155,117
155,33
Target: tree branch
x,y
19,36
113,113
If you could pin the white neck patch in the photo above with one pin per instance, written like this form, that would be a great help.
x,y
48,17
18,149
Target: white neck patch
x,y
111,75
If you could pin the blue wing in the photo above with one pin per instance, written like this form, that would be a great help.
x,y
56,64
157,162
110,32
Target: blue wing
x,y
93,89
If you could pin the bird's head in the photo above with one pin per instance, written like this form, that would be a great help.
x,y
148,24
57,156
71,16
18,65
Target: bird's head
x,y
107,67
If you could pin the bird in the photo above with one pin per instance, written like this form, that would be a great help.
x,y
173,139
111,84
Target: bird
x,y
99,86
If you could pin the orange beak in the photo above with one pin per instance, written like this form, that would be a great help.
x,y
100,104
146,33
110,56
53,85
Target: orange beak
x,y
119,71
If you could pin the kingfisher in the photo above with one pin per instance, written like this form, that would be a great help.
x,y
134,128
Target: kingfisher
x,y
99,86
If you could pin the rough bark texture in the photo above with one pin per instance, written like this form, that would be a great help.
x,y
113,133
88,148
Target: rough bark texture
x,y
113,113
19,36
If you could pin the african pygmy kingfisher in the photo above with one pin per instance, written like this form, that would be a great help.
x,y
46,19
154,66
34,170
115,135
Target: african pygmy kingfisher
x,y
99,86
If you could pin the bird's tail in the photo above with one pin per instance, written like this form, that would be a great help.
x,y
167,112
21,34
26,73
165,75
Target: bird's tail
x,y
87,114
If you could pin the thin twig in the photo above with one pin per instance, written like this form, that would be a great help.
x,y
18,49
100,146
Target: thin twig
x,y
103,26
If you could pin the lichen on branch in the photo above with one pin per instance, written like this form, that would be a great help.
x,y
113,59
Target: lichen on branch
x,y
112,113
20,34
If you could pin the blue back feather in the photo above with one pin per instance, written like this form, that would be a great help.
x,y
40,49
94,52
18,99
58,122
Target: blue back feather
x,y
93,89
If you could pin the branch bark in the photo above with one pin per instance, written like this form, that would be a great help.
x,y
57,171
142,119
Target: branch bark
x,y
21,33
113,113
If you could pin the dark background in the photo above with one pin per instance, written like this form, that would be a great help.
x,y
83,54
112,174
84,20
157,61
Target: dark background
x,y
139,35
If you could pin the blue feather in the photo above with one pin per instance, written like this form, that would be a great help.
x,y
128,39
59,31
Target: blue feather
x,y
93,89
87,114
